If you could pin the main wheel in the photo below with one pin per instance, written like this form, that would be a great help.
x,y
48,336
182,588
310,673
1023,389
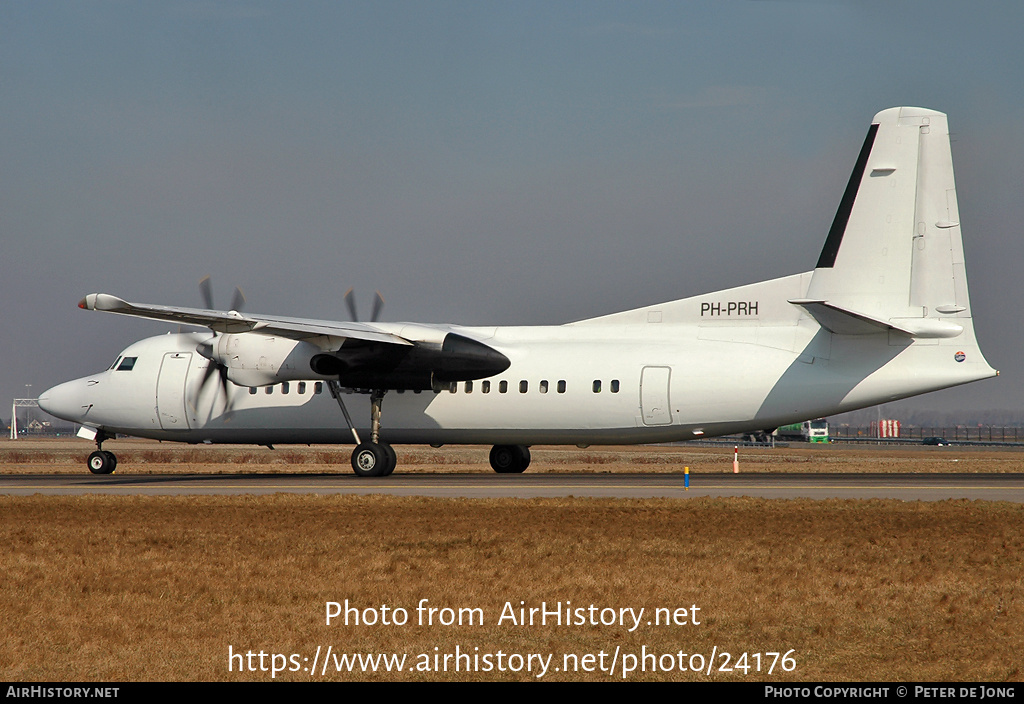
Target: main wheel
x,y
371,460
510,459
101,462
392,459
524,457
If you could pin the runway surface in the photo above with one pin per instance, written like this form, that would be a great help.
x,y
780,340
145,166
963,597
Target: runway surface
x,y
906,487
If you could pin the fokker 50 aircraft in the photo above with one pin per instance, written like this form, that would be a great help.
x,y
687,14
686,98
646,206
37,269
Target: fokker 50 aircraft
x,y
883,315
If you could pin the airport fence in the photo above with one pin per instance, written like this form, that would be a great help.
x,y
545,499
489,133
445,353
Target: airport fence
x,y
960,433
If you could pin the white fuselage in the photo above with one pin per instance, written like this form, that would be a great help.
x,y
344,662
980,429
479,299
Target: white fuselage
x,y
573,384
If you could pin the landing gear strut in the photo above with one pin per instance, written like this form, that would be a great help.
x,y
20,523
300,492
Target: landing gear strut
x,y
373,458
510,459
102,461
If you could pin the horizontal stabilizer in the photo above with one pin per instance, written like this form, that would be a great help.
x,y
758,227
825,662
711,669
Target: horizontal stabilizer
x,y
842,321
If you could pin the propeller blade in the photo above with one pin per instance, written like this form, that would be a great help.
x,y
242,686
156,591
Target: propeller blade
x,y
223,380
378,305
217,369
238,301
211,369
350,301
206,289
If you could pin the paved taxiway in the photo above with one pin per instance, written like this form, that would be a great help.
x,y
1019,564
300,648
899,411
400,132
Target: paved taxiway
x,y
907,487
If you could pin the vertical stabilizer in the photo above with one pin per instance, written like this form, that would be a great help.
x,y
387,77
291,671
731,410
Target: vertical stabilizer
x,y
893,257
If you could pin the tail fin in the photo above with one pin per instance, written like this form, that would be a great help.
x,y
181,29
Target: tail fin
x,y
893,258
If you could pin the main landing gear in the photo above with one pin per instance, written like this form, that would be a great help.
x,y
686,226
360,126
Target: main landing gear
x,y
378,459
510,459
374,458
102,461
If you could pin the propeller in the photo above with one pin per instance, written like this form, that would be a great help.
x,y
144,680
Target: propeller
x,y
206,289
378,305
206,348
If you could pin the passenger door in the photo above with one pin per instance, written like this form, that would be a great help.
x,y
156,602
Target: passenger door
x,y
654,398
170,391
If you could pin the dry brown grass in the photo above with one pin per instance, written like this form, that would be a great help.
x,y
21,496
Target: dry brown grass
x,y
157,588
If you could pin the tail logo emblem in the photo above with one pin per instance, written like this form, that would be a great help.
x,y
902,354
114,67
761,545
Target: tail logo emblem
x,y
959,356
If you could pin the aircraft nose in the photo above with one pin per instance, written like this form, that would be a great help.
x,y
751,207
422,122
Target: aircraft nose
x,y
66,401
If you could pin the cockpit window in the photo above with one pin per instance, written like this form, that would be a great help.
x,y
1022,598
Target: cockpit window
x,y
114,365
127,364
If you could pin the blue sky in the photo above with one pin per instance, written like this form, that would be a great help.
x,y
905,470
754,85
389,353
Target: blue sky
x,y
478,162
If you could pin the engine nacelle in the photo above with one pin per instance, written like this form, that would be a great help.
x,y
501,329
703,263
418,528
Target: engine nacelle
x,y
258,359
253,359
422,365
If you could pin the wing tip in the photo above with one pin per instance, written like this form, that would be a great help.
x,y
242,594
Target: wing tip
x,y
104,302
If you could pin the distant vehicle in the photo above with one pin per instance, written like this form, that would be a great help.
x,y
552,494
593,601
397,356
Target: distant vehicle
x,y
808,431
935,441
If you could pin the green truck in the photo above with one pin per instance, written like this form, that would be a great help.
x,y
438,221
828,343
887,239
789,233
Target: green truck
x,y
808,431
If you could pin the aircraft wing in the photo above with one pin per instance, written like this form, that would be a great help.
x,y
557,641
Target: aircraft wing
x,y
235,322
359,355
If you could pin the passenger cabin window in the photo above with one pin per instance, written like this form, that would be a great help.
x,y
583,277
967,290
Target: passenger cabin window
x,y
318,387
561,386
302,387
485,387
469,387
524,386
127,364
252,390
615,386
597,386
284,387
544,386
502,387
270,390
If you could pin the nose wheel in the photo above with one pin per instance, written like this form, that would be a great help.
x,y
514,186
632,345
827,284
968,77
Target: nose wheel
x,y
102,462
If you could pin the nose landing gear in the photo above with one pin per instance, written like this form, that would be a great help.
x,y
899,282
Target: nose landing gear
x,y
102,461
